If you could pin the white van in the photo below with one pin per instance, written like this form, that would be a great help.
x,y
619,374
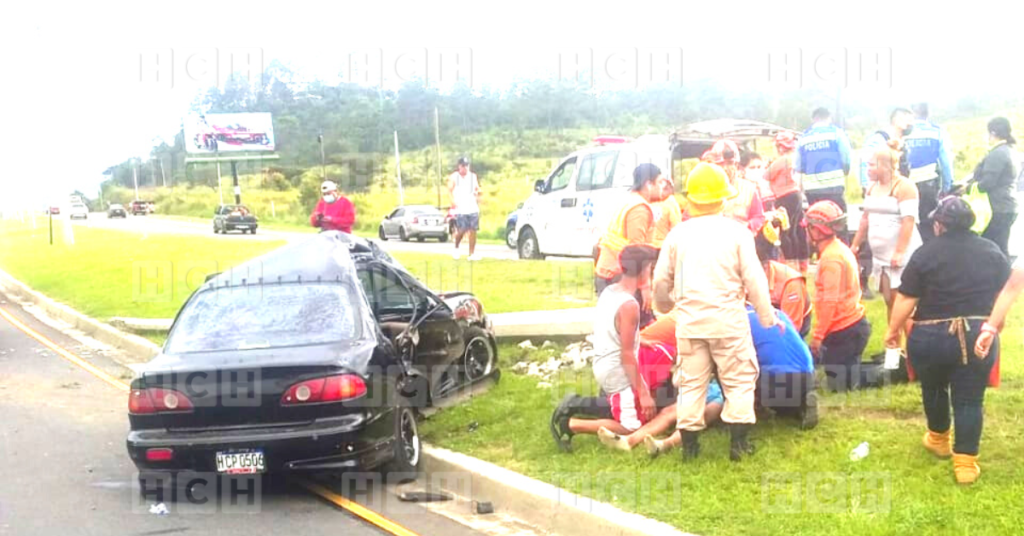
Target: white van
x,y
570,209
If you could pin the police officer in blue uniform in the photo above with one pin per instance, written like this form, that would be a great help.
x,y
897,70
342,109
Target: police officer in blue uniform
x,y
931,165
822,160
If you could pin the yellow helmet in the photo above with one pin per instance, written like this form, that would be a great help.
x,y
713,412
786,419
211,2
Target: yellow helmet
x,y
708,184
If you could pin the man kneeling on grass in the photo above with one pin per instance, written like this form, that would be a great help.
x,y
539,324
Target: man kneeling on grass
x,y
616,364
655,359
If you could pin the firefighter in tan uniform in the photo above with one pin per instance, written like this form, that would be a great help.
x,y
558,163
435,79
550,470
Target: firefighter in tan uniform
x,y
707,271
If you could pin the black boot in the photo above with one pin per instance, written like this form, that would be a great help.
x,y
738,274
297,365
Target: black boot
x,y
740,445
809,411
691,444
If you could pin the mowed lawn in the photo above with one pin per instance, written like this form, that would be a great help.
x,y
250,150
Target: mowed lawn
x,y
796,483
108,273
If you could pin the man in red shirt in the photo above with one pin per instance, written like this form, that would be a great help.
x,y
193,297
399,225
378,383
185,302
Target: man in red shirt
x,y
333,212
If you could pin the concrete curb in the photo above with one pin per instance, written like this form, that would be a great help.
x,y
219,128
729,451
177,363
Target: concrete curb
x,y
535,502
554,509
137,349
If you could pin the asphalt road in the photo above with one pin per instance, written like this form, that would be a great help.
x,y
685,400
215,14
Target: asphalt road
x,y
157,225
66,470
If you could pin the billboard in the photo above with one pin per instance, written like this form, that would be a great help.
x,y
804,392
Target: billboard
x,y
229,133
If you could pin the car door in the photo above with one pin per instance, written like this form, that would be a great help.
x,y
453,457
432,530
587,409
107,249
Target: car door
x,y
594,194
392,224
553,213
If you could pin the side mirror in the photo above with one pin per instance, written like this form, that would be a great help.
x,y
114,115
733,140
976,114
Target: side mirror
x,y
539,186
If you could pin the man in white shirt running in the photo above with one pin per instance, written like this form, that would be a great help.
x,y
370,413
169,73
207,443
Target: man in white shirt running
x,y
464,192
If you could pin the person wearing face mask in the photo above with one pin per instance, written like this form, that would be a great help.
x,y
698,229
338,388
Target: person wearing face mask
x,y
887,223
900,126
996,175
746,206
333,212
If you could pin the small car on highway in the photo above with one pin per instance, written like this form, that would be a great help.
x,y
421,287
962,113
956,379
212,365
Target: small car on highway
x,y
414,221
116,211
234,218
313,357
141,207
78,210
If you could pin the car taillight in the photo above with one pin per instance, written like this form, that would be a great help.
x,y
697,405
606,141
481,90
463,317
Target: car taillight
x,y
155,400
329,389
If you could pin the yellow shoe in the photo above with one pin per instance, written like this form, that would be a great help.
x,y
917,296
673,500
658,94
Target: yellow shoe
x,y
938,444
965,468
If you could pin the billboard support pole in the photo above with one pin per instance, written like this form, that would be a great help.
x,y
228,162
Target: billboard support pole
x,y
234,181
50,210
162,175
220,192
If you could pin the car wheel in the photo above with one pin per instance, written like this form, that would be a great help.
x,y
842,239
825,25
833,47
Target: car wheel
x,y
407,447
380,233
443,238
252,231
527,245
478,361
510,239
215,231
402,235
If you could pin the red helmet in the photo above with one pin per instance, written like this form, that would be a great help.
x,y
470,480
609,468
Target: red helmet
x,y
826,216
785,141
724,152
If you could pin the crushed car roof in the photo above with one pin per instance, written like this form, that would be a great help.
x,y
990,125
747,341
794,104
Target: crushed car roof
x,y
327,256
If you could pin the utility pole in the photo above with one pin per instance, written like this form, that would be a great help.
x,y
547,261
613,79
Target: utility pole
x,y
839,108
323,165
162,175
216,153
437,141
135,179
398,167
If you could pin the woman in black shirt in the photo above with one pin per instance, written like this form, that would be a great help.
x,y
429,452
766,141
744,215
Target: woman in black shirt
x,y
996,175
952,281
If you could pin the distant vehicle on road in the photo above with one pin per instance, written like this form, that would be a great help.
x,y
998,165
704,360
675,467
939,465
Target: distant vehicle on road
x,y
318,366
55,210
234,218
116,210
414,221
141,208
78,210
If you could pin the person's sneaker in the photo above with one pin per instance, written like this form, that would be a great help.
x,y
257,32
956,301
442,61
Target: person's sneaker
x,y
456,255
809,413
560,430
654,446
474,257
612,440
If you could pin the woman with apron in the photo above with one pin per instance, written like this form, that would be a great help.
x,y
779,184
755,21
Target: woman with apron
x,y
889,223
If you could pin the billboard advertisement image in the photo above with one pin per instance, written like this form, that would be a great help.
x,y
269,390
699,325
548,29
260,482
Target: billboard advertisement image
x,y
229,133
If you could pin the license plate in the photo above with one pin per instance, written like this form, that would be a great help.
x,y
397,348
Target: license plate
x,y
241,463
242,226
430,222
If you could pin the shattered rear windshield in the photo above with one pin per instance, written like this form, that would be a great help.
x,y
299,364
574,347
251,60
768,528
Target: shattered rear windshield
x,y
267,316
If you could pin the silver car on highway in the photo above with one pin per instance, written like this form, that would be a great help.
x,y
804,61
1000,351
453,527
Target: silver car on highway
x,y
414,221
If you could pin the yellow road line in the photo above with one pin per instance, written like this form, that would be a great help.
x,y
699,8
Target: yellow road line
x,y
64,353
343,503
356,508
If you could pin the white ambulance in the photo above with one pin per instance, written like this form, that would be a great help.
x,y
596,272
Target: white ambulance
x,y
571,208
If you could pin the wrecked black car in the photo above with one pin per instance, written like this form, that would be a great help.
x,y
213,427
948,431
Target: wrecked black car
x,y
315,356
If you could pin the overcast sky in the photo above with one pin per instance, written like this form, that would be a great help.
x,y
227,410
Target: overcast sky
x,y
80,94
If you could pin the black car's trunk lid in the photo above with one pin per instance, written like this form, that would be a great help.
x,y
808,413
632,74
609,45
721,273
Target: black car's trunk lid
x,y
238,397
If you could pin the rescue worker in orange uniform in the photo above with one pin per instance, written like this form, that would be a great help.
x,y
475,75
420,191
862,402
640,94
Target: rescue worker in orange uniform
x,y
841,330
788,290
788,195
633,225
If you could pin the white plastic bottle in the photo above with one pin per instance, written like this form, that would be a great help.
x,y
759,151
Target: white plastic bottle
x,y
860,452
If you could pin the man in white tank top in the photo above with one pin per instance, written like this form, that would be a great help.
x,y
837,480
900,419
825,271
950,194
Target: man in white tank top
x,y
464,192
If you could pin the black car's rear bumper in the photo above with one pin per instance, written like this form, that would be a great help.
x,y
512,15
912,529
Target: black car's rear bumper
x,y
349,442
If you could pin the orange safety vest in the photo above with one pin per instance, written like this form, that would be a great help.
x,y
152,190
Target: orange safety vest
x,y
615,236
779,275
